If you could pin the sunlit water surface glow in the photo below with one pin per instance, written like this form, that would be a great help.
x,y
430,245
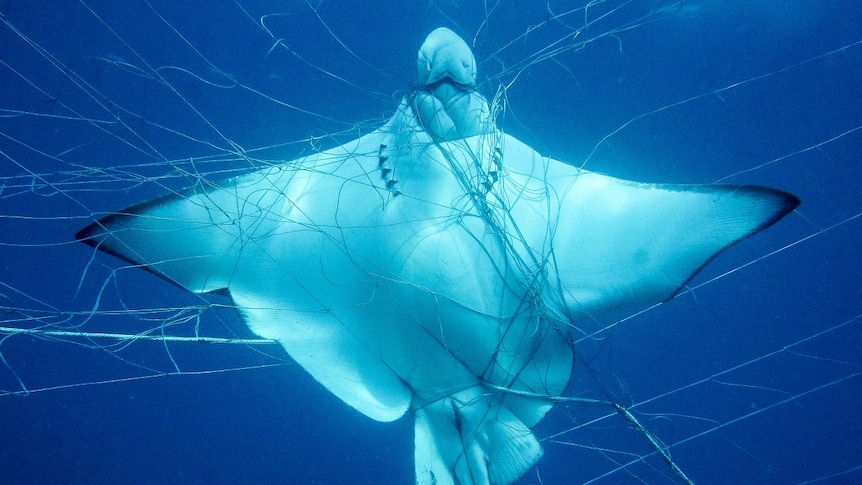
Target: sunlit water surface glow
x,y
752,376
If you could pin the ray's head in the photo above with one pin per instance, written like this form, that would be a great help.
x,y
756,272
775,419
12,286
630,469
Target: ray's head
x,y
444,55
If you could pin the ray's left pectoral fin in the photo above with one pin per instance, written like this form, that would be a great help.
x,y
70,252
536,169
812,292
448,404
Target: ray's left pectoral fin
x,y
632,244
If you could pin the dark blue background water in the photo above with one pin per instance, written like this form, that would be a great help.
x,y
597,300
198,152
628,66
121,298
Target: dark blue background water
x,y
313,79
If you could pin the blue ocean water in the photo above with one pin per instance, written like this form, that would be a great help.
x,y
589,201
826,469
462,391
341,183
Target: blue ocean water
x,y
751,378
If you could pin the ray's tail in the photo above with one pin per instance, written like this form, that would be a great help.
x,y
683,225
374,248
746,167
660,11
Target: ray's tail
x,y
472,438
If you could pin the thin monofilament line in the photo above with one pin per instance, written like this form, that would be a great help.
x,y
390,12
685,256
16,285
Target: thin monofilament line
x,y
125,336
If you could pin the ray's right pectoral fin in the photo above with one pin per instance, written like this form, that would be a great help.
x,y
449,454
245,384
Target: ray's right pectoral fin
x,y
471,438
192,239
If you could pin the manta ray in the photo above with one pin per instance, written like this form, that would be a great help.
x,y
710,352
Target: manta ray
x,y
436,265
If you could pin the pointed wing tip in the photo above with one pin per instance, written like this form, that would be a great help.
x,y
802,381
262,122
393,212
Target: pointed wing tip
x,y
785,203
95,233
89,235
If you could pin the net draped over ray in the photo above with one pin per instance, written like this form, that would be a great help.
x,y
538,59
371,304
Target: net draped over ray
x,y
435,265
751,370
